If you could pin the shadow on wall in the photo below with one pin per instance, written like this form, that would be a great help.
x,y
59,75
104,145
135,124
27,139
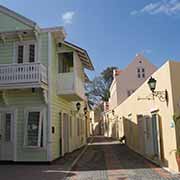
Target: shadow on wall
x,y
98,129
146,136
177,128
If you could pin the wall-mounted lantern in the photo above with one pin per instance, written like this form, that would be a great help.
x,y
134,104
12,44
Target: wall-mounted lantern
x,y
162,95
113,112
85,110
78,106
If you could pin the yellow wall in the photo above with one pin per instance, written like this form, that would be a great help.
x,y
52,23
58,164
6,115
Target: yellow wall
x,y
167,77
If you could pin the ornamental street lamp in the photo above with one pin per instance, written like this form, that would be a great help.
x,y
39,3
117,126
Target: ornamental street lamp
x,y
152,84
85,110
161,95
78,106
113,112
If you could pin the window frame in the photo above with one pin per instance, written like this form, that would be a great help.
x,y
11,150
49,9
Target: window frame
x,y
41,126
141,72
26,51
59,66
10,128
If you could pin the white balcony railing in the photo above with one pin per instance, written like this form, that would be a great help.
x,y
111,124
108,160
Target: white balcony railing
x,y
22,73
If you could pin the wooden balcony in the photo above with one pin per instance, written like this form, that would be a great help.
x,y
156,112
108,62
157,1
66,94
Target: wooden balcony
x,y
70,86
30,75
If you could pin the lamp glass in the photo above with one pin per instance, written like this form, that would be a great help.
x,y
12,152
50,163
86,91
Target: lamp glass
x,y
152,84
78,106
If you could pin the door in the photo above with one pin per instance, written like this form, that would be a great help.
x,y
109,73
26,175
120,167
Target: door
x,y
60,134
148,137
141,134
6,136
156,136
65,133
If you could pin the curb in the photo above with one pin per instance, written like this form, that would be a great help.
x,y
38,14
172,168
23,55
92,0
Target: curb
x,y
78,157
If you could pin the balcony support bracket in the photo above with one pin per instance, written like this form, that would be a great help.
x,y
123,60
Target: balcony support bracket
x,y
3,38
45,95
4,97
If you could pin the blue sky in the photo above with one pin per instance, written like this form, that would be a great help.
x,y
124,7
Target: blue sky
x,y
111,31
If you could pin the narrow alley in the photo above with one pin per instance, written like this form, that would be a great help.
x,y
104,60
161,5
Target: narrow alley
x,y
108,159
104,159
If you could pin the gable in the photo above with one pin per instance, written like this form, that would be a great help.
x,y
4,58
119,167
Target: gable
x,y
8,23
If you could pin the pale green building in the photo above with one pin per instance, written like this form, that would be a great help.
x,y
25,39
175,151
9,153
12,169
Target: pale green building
x,y
42,95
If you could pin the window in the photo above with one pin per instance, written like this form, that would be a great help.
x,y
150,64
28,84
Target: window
x,y
20,55
34,129
26,52
65,62
8,127
129,92
140,72
31,53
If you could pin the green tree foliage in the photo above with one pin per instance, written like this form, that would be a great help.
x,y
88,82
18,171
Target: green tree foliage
x,y
98,89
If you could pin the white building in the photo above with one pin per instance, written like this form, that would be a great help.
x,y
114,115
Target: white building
x,y
128,80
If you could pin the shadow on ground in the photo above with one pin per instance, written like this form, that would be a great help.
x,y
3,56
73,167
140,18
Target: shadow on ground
x,y
117,155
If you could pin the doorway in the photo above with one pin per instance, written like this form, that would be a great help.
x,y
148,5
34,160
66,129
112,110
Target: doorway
x,y
156,136
65,133
7,135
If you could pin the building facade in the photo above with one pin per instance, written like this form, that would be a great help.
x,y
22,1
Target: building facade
x,y
150,123
128,80
41,91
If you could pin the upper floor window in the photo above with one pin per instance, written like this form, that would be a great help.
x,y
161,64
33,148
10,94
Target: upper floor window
x,y
20,55
31,53
140,72
26,52
129,92
65,62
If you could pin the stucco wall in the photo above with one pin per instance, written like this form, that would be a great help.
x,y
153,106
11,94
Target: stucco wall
x,y
166,78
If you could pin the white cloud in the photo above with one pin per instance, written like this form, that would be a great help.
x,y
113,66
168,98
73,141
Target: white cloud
x,y
67,17
146,51
167,7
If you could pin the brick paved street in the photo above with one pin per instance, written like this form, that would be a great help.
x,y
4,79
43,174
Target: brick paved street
x,y
104,159
107,159
38,171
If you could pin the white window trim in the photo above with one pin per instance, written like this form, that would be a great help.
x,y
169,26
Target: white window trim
x,y
42,118
26,51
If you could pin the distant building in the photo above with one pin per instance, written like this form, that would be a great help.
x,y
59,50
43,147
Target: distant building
x,y
128,80
151,124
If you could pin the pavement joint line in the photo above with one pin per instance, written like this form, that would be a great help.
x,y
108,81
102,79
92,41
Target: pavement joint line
x,y
77,159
